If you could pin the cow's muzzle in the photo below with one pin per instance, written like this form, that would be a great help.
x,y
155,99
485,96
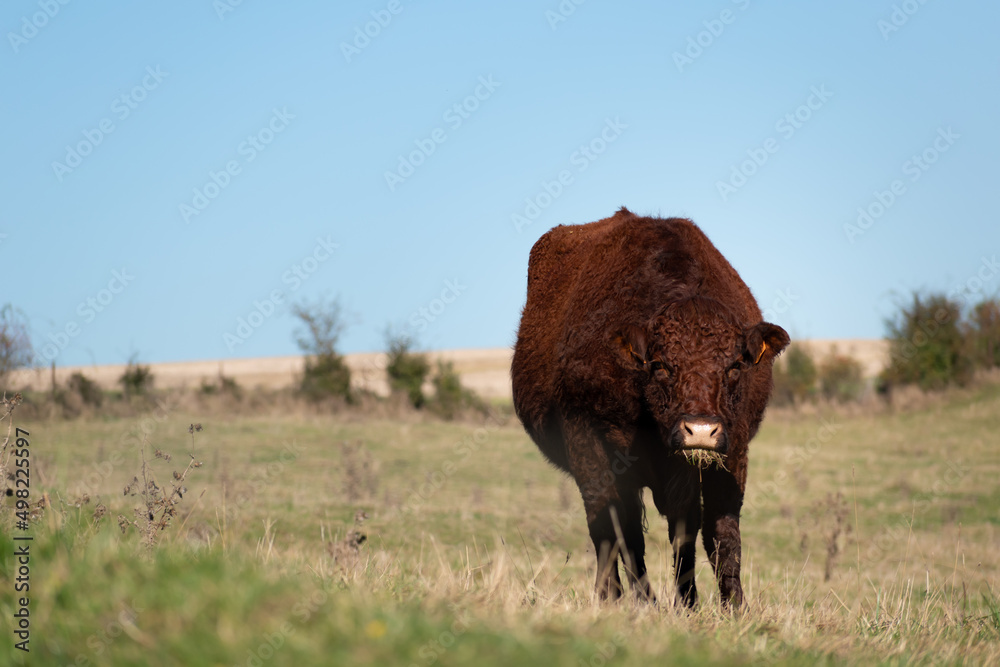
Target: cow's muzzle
x,y
701,432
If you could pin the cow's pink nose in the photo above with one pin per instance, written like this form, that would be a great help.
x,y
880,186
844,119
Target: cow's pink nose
x,y
700,433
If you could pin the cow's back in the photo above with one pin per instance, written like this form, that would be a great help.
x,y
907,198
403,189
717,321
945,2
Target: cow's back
x,y
585,284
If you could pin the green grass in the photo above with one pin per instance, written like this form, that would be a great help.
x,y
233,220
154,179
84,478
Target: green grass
x,y
477,551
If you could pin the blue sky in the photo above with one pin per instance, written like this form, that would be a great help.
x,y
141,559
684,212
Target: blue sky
x,y
170,169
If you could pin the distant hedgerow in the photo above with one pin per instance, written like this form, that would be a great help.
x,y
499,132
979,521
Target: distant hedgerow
x,y
86,389
983,332
840,379
794,376
450,397
926,344
137,379
406,370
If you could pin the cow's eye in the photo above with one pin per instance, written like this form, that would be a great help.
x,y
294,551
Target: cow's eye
x,y
733,374
659,366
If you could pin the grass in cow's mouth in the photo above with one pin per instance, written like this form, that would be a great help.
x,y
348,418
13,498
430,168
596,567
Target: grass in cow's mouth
x,y
704,458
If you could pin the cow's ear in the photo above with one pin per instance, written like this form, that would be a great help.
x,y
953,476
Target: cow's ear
x,y
765,341
633,348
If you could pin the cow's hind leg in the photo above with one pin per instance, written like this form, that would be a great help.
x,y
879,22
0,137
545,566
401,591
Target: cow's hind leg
x,y
607,547
614,514
630,519
680,501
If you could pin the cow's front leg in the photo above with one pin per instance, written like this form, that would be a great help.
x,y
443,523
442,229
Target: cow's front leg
x,y
721,532
678,499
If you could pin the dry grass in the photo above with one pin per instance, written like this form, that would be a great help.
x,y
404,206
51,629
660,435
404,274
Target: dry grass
x,y
867,539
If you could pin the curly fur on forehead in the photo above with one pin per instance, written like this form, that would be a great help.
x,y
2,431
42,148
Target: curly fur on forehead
x,y
696,328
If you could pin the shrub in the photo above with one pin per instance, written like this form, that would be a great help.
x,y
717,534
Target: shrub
x,y
794,377
222,385
983,333
86,389
326,374
137,379
406,370
926,344
323,324
450,397
840,378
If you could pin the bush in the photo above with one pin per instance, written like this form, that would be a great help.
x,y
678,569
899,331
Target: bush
x,y
983,333
222,385
86,389
406,370
794,377
137,379
926,344
840,378
326,374
15,345
450,397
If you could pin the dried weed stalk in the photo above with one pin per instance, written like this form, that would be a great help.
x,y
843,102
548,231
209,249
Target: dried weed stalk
x,y
159,505
7,406
345,552
835,509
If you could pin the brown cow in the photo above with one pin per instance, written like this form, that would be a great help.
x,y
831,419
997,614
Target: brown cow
x,y
639,347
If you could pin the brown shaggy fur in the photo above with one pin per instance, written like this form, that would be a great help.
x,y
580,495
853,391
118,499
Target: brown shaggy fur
x,y
631,324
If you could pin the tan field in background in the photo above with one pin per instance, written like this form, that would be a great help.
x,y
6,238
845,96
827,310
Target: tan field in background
x,y
485,371
871,353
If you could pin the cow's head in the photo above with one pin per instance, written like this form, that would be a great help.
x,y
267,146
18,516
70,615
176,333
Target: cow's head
x,y
707,379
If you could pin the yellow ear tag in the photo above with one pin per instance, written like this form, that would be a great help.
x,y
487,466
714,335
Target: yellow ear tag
x,y
634,355
763,348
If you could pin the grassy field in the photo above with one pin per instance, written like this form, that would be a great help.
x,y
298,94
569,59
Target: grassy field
x,y
866,540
